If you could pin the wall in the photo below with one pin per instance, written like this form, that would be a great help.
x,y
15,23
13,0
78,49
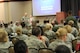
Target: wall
x,y
2,12
16,10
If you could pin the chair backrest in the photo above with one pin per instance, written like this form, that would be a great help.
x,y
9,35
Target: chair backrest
x,y
45,50
74,42
11,49
4,50
33,50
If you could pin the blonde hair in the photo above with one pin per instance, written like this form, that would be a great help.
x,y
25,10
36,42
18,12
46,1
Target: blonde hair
x,y
47,26
71,22
68,28
19,30
3,35
61,32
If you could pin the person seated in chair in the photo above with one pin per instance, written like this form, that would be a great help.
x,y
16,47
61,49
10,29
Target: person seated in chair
x,y
20,47
62,49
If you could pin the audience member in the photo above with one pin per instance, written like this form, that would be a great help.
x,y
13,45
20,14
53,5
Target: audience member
x,y
74,30
71,17
24,30
48,32
70,37
4,41
34,41
20,36
20,47
44,39
61,38
62,49
9,30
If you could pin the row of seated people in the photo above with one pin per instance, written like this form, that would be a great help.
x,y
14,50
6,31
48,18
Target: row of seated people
x,y
21,47
37,39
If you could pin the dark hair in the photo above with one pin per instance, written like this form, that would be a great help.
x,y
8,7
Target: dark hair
x,y
62,49
41,28
5,25
20,47
36,31
23,24
69,12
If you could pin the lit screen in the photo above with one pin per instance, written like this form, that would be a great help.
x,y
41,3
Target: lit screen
x,y
46,7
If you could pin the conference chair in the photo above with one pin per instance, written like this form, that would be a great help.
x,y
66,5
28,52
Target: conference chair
x,y
33,50
45,50
11,49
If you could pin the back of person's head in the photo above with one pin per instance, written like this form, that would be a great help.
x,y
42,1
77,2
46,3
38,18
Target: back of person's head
x,y
20,47
71,22
69,13
47,26
5,25
23,24
41,28
36,31
18,30
14,40
3,35
68,28
34,23
62,49
61,32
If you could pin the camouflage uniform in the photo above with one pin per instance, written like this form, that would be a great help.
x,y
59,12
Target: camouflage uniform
x,y
50,34
57,42
69,39
34,42
22,37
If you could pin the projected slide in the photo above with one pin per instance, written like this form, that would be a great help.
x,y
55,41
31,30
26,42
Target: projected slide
x,y
45,7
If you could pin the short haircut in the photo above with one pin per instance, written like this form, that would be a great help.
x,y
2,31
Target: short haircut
x,y
41,28
20,47
69,12
62,49
36,31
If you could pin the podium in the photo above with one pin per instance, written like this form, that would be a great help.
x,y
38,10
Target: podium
x,y
60,16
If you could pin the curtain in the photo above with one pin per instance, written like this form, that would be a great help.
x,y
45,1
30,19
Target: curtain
x,y
73,5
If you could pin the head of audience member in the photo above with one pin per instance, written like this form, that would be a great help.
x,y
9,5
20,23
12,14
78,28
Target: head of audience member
x,y
23,24
20,47
62,21
41,28
62,49
71,23
1,25
18,30
34,23
61,34
28,27
5,25
14,40
69,13
36,31
17,23
3,35
47,26
68,28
